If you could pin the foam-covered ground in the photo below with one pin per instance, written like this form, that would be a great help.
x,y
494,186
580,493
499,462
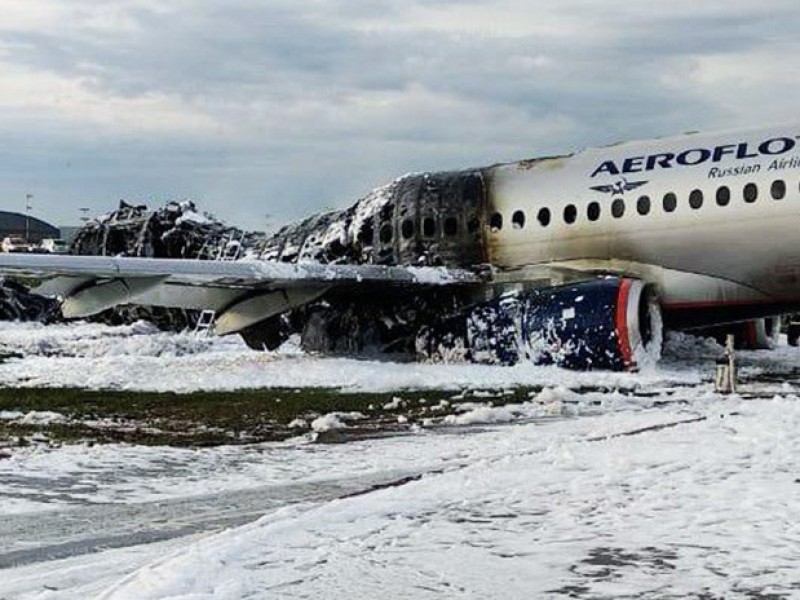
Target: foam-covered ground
x,y
589,490
703,510
137,357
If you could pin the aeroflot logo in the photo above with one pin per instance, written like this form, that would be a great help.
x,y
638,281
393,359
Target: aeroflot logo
x,y
619,187
696,156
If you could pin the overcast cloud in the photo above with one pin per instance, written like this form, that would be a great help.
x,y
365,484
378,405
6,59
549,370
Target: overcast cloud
x,y
282,107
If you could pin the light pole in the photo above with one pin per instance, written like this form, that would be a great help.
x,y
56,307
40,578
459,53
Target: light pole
x,y
28,198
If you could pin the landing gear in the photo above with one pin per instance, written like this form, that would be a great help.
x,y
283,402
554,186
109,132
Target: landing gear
x,y
793,333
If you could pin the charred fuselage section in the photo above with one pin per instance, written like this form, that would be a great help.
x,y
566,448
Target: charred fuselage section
x,y
177,230
18,303
429,219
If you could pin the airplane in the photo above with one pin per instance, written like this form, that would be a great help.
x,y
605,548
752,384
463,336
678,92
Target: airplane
x,y
579,260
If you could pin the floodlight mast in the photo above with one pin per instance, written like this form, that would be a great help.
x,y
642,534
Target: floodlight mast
x,y
28,198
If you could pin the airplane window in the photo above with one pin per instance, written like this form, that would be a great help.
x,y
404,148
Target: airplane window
x,y
618,208
386,233
593,211
696,199
750,192
723,196
473,225
778,189
544,217
365,236
670,202
518,219
429,227
407,229
450,226
643,205
496,222
570,214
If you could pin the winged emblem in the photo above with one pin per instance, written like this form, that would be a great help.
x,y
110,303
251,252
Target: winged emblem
x,y
618,188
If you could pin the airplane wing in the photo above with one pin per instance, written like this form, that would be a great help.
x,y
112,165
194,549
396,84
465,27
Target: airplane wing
x,y
242,292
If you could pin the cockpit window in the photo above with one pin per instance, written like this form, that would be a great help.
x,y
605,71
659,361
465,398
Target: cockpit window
x,y
518,219
496,222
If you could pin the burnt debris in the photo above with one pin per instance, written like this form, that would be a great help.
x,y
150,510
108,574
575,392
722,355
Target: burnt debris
x,y
177,230
428,219
17,303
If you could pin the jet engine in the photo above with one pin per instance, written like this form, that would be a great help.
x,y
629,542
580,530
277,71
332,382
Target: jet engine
x,y
611,323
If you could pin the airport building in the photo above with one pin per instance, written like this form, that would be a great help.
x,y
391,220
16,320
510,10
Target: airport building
x,y
14,224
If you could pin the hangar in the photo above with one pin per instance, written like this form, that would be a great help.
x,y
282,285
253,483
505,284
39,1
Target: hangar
x,y
12,223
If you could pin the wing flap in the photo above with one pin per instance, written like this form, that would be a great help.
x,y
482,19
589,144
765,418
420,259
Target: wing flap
x,y
96,297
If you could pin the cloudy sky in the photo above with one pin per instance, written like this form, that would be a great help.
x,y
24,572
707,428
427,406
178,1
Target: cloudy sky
x,y
280,107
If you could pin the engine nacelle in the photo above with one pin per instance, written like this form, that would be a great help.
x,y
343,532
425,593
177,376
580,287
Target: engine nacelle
x,y
611,323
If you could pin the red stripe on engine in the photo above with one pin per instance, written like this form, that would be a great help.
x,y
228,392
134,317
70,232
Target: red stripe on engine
x,y
623,336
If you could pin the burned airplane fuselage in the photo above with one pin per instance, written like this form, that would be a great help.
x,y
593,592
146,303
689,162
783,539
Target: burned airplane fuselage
x,y
429,219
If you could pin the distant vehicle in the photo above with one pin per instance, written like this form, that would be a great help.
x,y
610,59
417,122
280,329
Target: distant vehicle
x,y
54,246
14,243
